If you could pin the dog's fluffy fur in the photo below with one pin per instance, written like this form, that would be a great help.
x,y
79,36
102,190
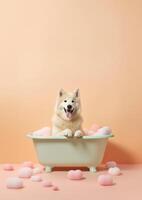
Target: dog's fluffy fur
x,y
67,118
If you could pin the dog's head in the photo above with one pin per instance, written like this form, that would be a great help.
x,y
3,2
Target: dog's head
x,y
68,104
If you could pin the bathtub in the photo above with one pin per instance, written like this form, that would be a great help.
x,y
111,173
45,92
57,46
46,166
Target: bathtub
x,y
59,151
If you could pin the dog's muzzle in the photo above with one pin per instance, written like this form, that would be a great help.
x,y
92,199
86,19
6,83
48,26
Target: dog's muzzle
x,y
69,112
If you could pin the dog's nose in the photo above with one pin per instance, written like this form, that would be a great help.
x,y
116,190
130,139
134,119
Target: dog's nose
x,y
69,106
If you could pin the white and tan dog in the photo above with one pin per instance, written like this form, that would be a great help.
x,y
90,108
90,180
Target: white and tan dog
x,y
67,118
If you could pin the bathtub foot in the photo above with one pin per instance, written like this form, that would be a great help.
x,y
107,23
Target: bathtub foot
x,y
92,169
48,169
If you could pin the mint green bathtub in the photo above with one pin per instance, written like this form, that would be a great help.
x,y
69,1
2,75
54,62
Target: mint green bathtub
x,y
59,151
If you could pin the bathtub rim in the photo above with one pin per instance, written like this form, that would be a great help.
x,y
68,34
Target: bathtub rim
x,y
31,136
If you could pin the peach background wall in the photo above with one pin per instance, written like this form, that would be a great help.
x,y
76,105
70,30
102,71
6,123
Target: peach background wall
x,y
95,45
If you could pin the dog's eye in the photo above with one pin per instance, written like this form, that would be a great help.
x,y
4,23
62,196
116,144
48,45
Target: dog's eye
x,y
65,101
72,101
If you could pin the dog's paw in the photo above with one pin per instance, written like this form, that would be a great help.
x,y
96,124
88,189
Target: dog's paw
x,y
67,133
78,133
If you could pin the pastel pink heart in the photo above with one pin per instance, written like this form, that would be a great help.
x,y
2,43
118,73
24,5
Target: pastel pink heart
x,y
25,172
47,183
36,178
105,180
14,183
8,167
75,175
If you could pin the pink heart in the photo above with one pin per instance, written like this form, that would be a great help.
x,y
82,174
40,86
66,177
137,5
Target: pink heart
x,y
75,175
105,180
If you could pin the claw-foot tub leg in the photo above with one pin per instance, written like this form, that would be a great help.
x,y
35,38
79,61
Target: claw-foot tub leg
x,y
48,169
92,169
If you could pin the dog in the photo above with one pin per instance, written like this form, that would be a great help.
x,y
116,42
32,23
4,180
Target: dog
x,y
67,120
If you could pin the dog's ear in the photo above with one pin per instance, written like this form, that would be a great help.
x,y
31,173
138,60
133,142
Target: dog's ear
x,y
61,92
76,92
